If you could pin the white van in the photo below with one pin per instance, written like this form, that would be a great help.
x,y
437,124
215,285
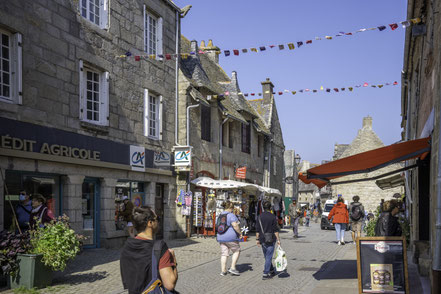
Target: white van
x,y
329,204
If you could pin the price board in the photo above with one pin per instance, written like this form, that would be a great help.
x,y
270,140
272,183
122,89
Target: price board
x,y
382,265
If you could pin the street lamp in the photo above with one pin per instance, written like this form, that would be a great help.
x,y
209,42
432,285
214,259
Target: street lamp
x,y
297,159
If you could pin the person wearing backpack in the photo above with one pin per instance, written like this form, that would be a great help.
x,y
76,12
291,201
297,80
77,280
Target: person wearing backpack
x,y
266,236
228,236
356,217
147,265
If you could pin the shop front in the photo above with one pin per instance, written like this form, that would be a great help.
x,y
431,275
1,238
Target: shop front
x,y
210,195
83,177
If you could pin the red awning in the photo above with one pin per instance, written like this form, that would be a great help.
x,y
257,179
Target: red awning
x,y
367,161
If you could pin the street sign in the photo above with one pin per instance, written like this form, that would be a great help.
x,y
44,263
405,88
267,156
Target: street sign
x,y
241,172
161,158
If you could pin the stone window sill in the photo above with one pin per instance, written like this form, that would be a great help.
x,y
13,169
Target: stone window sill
x,y
95,129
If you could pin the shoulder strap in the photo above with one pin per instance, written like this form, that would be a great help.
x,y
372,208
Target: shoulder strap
x,y
156,256
263,232
42,212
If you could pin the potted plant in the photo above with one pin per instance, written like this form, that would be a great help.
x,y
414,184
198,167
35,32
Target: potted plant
x,y
49,249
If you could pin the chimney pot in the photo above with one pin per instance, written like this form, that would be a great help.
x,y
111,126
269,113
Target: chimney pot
x,y
367,122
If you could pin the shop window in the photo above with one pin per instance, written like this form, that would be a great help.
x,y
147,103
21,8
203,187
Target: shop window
x,y
134,191
152,115
152,33
95,11
10,67
46,185
246,137
94,95
205,123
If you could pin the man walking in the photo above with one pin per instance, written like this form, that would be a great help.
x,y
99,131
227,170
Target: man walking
x,y
356,216
267,234
23,211
294,215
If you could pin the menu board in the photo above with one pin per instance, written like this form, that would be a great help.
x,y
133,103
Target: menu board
x,y
382,265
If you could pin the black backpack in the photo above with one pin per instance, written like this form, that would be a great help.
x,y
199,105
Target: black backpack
x,y
221,223
356,213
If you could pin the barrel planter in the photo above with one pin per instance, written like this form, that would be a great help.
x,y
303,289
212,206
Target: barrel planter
x,y
32,272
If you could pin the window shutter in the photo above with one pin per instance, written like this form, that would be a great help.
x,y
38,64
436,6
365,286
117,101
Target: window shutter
x,y
104,14
145,30
17,68
159,38
146,112
104,99
81,90
160,117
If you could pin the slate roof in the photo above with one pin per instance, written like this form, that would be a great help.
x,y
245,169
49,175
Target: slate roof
x,y
229,109
264,110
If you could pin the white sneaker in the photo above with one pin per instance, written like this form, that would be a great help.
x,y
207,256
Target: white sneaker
x,y
339,243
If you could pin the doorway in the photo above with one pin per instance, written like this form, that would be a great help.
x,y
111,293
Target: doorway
x,y
159,209
91,212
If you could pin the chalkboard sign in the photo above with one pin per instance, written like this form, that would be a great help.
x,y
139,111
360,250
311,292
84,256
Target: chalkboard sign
x,y
382,265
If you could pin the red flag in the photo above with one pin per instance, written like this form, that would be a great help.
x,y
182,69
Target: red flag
x,y
365,84
252,94
167,56
395,83
280,93
336,89
309,42
272,46
137,58
348,34
236,52
393,26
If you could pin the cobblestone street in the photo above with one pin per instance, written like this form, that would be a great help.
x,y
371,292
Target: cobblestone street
x,y
97,271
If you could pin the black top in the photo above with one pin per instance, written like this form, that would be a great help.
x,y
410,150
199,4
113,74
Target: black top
x,y
387,225
269,224
136,264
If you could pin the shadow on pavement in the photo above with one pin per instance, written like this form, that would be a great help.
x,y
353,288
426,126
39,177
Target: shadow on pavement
x,y
81,278
244,267
337,269
175,243
283,275
90,258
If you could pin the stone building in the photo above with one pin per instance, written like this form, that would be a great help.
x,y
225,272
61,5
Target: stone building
x,y
370,194
225,131
81,126
421,114
291,171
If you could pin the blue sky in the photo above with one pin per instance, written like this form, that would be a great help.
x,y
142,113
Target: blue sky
x,y
312,123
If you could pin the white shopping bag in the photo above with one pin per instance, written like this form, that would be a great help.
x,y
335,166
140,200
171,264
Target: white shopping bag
x,y
280,261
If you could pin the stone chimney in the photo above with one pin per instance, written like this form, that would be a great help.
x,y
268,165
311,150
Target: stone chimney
x,y
211,51
267,89
367,122
194,47
234,81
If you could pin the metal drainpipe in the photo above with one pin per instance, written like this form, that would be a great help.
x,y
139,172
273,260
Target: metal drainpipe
x,y
437,254
269,163
177,78
221,172
188,122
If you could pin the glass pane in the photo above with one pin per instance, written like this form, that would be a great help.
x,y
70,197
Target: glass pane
x,y
89,75
96,97
96,116
5,65
88,212
89,105
5,91
5,40
89,115
5,78
5,52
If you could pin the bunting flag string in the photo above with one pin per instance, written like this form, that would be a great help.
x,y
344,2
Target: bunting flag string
x,y
290,46
307,90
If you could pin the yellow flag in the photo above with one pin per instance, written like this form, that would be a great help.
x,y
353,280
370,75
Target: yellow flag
x,y
328,37
321,88
416,20
294,92
380,86
350,88
184,55
152,56
291,46
253,49
266,92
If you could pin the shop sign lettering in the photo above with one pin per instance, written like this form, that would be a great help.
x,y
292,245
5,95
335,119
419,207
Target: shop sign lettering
x,y
8,142
137,158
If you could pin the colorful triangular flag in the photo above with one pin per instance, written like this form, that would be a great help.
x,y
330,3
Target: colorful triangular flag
x,y
393,26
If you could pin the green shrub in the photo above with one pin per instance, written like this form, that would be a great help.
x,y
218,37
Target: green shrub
x,y
57,242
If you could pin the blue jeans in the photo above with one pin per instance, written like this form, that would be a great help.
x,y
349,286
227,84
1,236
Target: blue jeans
x,y
268,250
340,230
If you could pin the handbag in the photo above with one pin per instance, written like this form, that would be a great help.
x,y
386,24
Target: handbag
x,y
267,236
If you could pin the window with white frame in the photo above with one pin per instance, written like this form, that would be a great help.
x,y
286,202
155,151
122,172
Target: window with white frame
x,y
10,67
94,95
152,115
152,33
96,11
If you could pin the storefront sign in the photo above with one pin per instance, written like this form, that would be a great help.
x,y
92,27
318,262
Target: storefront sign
x,y
161,159
137,158
8,142
34,141
241,172
182,156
